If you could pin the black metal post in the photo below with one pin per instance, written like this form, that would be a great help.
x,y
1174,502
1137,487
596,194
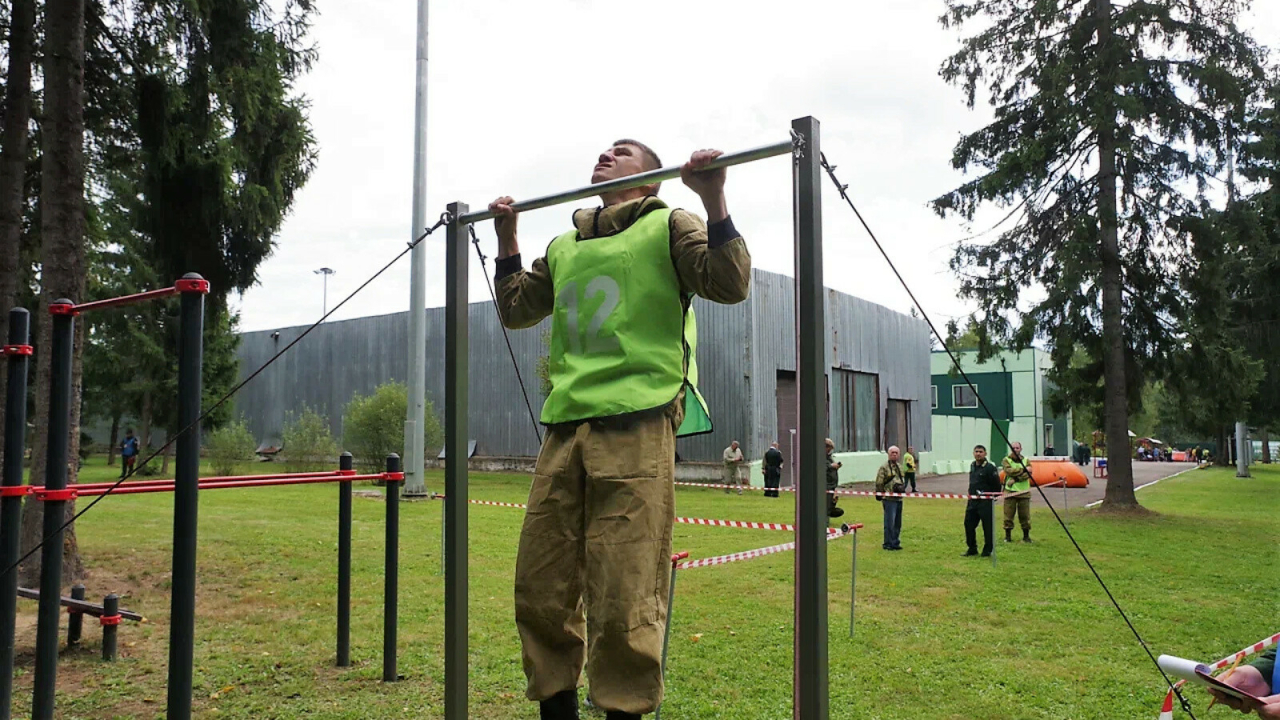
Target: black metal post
x,y
186,499
810,665
55,481
455,466
110,626
344,563
18,351
75,618
391,571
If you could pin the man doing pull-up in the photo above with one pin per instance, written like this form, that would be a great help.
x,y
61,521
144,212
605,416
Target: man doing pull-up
x,y
592,570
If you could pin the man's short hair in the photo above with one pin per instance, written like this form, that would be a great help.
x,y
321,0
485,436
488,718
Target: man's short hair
x,y
983,448
652,161
650,156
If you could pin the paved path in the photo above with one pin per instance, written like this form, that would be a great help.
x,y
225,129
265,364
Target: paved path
x,y
1143,473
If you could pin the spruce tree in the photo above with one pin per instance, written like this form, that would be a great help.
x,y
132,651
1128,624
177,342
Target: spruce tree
x,y
1107,127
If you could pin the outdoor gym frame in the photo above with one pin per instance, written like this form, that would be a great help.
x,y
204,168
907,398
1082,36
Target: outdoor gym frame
x,y
186,486
810,651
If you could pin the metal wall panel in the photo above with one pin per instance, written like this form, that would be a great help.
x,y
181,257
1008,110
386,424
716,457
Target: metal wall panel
x,y
740,349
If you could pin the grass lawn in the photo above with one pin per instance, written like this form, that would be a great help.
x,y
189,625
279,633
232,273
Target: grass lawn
x,y
938,635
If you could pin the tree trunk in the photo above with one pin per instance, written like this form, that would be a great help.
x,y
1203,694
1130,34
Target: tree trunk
x,y
13,161
115,435
62,260
1266,445
1115,396
145,422
164,461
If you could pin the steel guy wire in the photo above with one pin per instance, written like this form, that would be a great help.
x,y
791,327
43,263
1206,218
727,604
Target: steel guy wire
x,y
844,194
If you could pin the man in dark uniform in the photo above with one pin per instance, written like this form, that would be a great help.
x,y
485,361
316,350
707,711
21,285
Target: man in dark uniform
x,y
983,477
772,467
833,481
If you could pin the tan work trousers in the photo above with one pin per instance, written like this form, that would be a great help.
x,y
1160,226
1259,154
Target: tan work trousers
x,y
732,476
1020,505
594,564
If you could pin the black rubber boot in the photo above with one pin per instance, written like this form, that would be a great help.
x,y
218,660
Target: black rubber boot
x,y
561,706
1008,536
1026,536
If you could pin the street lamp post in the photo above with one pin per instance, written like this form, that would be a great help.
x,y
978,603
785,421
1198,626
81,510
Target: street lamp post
x,y
326,272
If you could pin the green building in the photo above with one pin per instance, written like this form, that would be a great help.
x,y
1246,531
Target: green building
x,y
1013,386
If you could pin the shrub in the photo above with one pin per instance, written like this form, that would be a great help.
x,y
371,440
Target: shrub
x,y
229,446
373,426
307,443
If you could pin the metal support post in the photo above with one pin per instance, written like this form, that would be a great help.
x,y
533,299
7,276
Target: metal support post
x,y
995,541
75,618
186,496
110,626
56,466
1066,505
810,667
345,464
391,572
456,340
853,580
18,350
415,422
666,635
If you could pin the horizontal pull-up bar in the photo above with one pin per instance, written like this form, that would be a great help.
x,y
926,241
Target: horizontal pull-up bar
x,y
633,181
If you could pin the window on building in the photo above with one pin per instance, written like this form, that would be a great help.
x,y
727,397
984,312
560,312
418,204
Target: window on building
x,y
933,397
963,396
1048,436
855,410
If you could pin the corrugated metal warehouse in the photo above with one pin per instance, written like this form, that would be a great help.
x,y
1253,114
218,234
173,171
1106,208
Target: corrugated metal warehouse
x,y
878,385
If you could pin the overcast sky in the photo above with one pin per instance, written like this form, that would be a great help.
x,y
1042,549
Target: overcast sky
x,y
523,96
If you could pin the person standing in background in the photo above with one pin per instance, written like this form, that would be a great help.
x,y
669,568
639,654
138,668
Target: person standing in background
x,y
909,463
732,462
772,467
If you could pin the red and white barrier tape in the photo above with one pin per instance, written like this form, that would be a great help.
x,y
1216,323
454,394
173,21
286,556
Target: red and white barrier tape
x,y
737,524
498,504
832,534
1166,710
749,525
927,496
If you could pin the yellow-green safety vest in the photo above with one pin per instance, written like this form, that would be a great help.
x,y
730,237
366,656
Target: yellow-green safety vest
x,y
623,335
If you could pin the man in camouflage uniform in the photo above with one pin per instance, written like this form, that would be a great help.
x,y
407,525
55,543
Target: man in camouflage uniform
x,y
594,560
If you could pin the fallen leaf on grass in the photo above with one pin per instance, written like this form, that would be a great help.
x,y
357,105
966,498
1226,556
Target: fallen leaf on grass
x,y
695,638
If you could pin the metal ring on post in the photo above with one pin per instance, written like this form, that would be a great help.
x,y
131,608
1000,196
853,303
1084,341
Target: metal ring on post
x,y
19,350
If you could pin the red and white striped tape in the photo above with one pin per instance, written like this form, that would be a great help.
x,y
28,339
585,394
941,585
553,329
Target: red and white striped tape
x,y
750,525
832,534
1166,711
867,493
737,524
498,504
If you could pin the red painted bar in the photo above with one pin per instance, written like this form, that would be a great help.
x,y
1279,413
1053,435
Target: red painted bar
x,y
214,478
125,300
127,490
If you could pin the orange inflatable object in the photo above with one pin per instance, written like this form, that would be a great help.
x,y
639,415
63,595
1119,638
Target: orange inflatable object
x,y
1046,471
